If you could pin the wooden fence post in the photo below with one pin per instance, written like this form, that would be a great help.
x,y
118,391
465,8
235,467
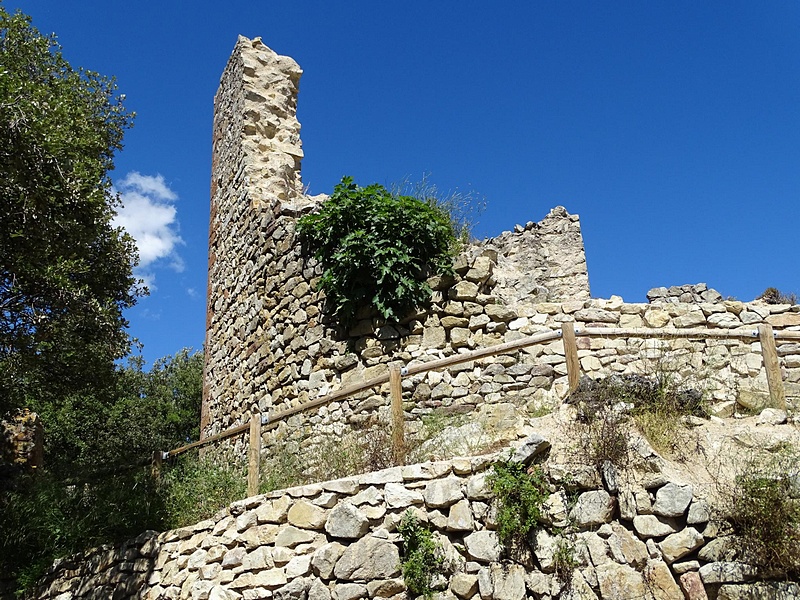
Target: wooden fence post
x,y
571,354
156,464
773,368
398,419
254,454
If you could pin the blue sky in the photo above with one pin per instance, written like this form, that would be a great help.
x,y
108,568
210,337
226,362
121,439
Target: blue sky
x,y
672,128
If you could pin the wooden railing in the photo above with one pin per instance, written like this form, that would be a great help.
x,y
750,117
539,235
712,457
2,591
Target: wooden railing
x,y
259,423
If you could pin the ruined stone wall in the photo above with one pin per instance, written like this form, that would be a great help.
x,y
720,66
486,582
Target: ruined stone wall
x,y
21,442
255,181
479,397
268,343
649,537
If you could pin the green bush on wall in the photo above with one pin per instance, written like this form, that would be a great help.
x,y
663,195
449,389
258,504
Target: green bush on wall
x,y
422,556
520,494
377,249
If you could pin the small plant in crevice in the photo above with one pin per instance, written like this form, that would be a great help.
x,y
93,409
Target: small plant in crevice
x,y
422,558
520,492
565,562
763,505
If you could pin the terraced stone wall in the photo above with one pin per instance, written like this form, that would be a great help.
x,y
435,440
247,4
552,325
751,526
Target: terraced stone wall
x,y
338,540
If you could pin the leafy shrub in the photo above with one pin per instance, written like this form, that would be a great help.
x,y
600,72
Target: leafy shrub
x,y
519,494
377,249
95,486
422,557
765,516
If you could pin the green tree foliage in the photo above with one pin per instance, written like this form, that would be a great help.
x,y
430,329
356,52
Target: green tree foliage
x,y
377,249
65,271
96,486
65,280
146,411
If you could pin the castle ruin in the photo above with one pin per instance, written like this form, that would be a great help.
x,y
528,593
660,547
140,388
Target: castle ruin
x,y
269,344
644,531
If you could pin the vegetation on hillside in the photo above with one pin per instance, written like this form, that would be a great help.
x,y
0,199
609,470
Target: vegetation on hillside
x,y
96,486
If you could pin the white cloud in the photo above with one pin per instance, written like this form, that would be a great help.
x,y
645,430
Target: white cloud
x,y
149,215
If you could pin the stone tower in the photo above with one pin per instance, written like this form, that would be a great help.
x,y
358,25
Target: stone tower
x,y
255,184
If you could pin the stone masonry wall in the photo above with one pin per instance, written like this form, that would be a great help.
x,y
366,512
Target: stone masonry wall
x,y
652,536
255,182
21,442
268,343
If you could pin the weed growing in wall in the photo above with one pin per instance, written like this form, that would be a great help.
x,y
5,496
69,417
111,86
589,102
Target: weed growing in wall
x,y
284,468
377,249
422,557
461,208
564,561
763,505
520,493
444,436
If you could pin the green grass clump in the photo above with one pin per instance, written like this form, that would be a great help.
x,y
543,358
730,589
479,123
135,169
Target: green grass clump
x,y
194,489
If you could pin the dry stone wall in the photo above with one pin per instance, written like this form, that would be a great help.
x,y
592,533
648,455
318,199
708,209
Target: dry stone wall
x,y
21,442
481,395
650,537
255,183
268,343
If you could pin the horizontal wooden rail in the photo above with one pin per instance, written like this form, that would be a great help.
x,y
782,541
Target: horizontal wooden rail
x,y
271,421
643,332
787,335
209,440
457,359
